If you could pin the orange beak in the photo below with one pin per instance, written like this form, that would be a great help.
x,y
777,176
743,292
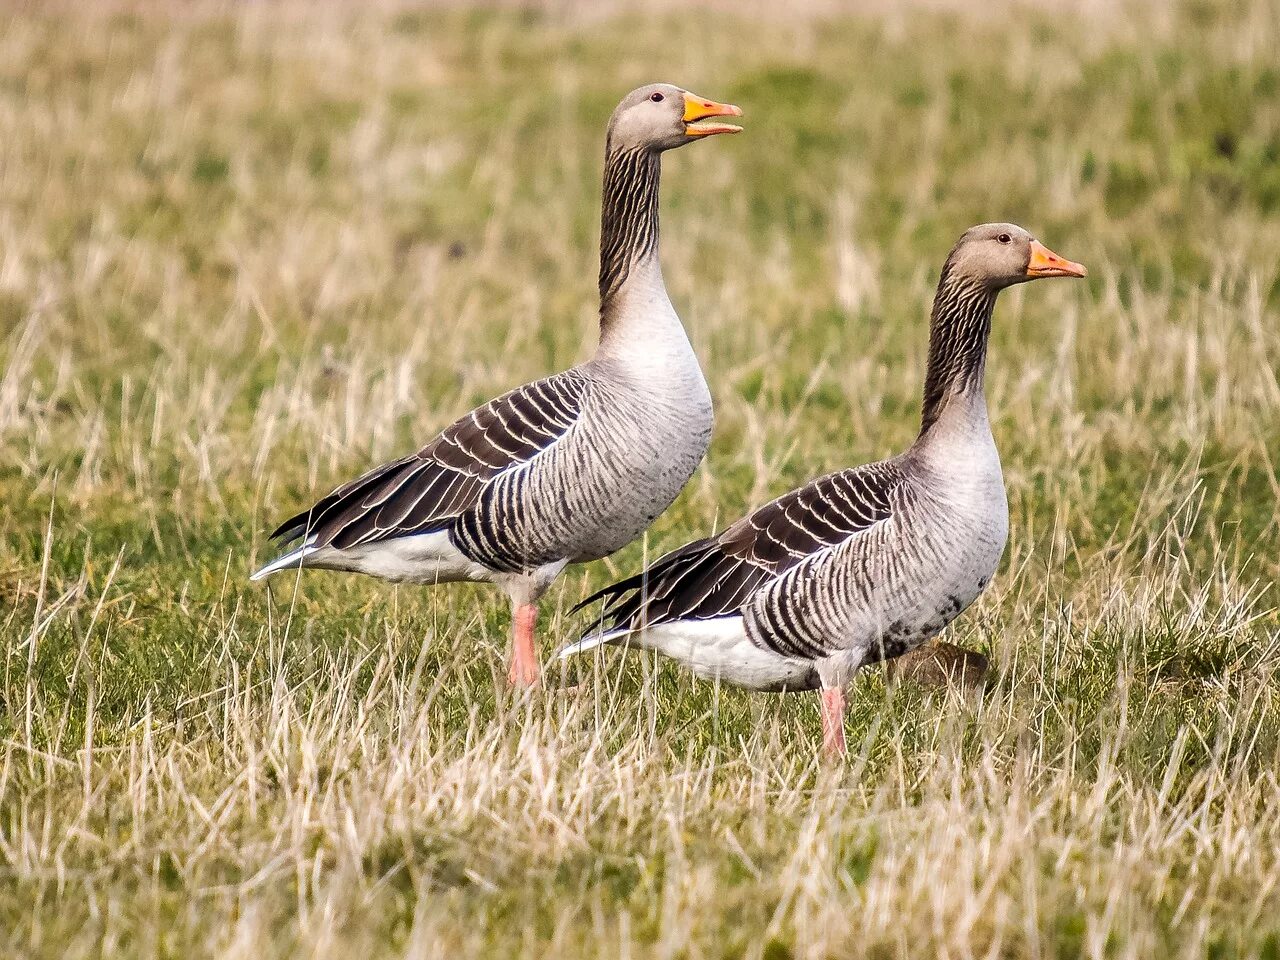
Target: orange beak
x,y
1045,263
696,108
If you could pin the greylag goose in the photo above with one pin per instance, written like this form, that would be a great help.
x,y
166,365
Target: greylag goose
x,y
563,470
860,565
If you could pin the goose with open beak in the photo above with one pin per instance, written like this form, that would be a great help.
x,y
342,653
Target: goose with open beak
x,y
563,470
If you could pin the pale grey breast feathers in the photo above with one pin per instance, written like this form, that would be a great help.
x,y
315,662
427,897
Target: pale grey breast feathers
x,y
735,572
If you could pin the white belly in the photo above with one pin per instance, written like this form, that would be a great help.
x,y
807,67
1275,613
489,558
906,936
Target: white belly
x,y
720,650
425,558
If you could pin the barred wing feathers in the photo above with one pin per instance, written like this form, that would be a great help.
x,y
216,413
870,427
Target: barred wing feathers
x,y
715,577
427,490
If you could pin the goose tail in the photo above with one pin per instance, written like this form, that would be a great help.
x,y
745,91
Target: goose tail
x,y
294,558
590,642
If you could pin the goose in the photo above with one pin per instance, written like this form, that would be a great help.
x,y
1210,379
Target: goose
x,y
860,565
566,469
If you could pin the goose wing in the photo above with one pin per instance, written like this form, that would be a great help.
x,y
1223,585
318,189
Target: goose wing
x,y
715,577
426,490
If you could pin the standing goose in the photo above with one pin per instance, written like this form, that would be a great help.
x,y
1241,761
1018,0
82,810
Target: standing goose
x,y
562,470
863,564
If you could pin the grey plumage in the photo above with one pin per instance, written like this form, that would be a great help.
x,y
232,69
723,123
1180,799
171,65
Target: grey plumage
x,y
568,468
862,564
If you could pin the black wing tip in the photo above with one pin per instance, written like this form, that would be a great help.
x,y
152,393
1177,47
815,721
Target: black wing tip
x,y
649,575
627,600
619,614
610,594
290,530
298,526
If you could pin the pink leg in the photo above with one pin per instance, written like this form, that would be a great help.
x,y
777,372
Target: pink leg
x,y
833,722
524,662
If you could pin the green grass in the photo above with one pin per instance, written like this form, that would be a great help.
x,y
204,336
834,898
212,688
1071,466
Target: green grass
x,y
246,252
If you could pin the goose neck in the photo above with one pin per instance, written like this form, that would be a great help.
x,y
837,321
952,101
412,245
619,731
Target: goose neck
x,y
959,329
629,266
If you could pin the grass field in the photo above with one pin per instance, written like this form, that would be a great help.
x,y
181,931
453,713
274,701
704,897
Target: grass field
x,y
248,251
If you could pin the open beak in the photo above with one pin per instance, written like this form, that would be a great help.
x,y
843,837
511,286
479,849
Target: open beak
x,y
697,109
1045,263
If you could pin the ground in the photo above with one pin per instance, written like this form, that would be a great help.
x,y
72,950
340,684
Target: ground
x,y
247,251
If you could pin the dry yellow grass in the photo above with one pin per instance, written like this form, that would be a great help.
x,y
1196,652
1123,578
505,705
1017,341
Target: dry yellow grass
x,y
248,250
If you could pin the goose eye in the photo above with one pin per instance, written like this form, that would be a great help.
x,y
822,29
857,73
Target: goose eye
x,y
1005,238
657,98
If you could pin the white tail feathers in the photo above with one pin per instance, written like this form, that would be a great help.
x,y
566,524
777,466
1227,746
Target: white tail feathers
x,y
585,644
294,558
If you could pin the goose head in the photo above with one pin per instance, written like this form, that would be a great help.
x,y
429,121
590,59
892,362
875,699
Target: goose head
x,y
659,116
999,255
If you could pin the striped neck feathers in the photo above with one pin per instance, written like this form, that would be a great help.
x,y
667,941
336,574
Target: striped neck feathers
x,y
628,219
959,328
